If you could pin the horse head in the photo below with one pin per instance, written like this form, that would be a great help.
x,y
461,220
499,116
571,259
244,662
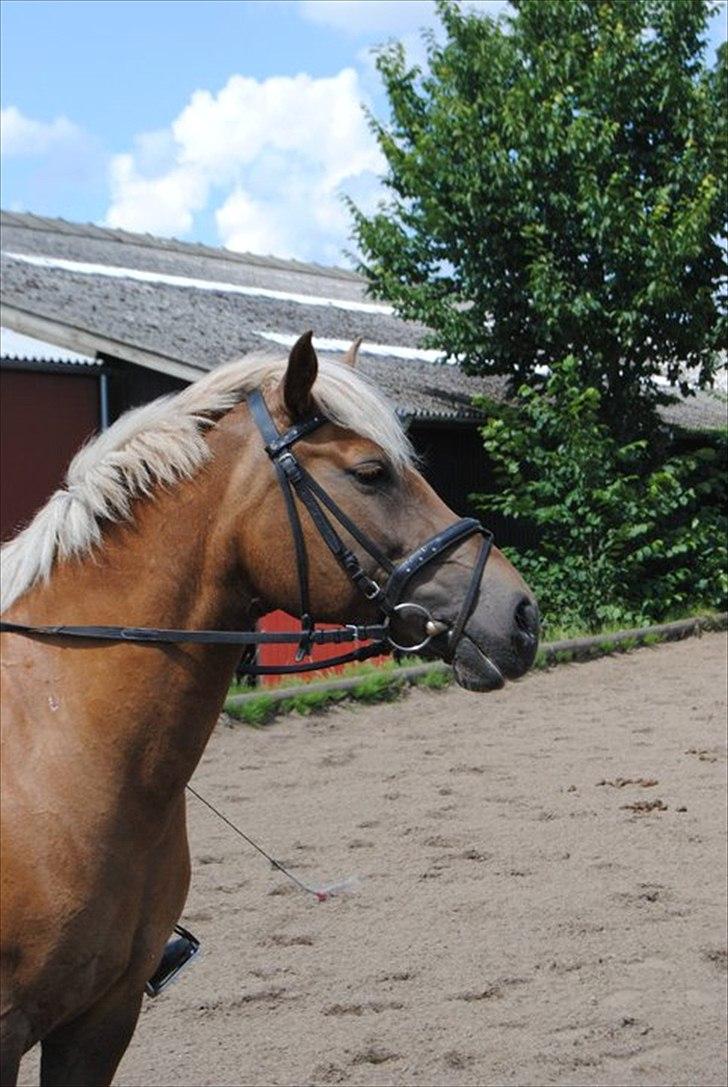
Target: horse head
x,y
360,459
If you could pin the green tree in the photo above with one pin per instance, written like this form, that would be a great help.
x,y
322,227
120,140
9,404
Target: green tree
x,y
620,540
557,186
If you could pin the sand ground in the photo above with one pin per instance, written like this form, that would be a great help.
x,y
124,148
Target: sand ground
x,y
517,921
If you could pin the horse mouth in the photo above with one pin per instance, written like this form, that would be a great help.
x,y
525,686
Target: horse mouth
x,y
474,670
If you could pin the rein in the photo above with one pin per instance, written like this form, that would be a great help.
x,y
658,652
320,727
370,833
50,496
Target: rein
x,y
296,482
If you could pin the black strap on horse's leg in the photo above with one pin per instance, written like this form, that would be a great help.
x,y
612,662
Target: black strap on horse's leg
x,y
178,951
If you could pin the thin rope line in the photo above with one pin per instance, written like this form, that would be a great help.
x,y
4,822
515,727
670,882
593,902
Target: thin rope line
x,y
244,836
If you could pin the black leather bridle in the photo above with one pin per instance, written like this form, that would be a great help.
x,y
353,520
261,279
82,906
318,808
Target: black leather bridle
x,y
295,481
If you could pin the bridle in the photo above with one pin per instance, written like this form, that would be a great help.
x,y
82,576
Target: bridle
x,y
294,482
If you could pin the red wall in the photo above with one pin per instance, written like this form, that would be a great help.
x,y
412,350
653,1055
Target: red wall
x,y
44,418
285,654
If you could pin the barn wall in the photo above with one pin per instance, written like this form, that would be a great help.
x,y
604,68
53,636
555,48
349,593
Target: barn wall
x,y
456,465
44,418
129,386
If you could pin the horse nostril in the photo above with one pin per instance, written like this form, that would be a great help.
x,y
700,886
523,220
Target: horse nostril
x,y
527,620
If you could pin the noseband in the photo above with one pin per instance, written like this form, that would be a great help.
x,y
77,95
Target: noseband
x,y
294,482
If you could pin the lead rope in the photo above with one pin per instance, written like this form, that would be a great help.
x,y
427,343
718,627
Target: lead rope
x,y
321,894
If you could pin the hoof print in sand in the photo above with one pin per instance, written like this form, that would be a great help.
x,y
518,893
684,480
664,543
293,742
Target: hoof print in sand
x,y
456,1060
375,1006
703,754
717,956
283,889
644,807
375,1054
328,1073
282,939
619,783
490,992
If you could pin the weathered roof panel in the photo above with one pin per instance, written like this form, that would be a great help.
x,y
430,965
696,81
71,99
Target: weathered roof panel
x,y
38,224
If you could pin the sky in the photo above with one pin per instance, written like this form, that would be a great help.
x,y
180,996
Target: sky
x,y
232,122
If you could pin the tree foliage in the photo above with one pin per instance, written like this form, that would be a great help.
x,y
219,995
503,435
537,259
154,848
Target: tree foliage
x,y
557,186
620,540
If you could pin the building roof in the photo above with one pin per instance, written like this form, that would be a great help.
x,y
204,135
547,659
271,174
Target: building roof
x,y
15,347
184,308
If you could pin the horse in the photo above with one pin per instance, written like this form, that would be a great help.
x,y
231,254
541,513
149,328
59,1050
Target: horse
x,y
173,516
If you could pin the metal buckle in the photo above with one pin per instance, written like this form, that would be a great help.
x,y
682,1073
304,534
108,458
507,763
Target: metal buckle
x,y
290,465
411,607
369,588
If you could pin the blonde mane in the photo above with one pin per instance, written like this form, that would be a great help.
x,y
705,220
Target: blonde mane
x,y
163,442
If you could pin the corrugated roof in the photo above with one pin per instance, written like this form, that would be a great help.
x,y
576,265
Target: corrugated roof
x,y
17,347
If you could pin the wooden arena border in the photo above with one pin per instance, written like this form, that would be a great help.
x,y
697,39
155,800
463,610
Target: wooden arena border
x,y
549,654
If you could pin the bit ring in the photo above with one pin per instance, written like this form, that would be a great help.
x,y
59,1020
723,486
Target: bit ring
x,y
408,607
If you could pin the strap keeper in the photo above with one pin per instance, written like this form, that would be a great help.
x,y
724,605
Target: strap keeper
x,y
307,638
366,585
290,465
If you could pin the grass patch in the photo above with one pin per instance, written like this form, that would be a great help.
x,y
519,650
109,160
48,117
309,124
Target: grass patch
x,y
554,632
360,668
376,683
435,680
255,712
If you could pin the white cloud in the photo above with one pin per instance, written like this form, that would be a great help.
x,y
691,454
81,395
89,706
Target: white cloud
x,y
23,136
274,154
164,204
268,160
248,225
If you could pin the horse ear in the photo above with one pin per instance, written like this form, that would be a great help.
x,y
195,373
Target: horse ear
x,y
352,355
300,376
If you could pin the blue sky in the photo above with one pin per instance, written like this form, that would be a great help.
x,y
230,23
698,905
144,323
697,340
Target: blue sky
x,y
229,122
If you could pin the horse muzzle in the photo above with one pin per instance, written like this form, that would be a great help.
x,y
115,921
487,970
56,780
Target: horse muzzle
x,y
483,661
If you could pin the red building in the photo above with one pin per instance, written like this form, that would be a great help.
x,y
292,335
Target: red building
x,y
50,403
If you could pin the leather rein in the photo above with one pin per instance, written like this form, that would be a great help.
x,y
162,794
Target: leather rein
x,y
295,481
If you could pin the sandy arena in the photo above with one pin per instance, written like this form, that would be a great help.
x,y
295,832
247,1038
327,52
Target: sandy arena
x,y
519,918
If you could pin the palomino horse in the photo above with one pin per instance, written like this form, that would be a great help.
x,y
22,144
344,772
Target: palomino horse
x,y
173,517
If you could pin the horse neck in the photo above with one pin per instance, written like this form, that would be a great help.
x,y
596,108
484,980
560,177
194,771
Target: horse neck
x,y
148,710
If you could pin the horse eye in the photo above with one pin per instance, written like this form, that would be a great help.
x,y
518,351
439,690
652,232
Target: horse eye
x,y
371,472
